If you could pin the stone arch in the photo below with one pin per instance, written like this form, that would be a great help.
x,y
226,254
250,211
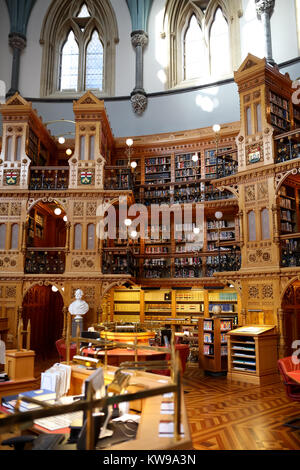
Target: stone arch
x,y
286,286
61,202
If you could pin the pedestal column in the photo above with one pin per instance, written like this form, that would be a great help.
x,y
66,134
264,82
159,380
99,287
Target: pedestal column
x,y
264,9
17,42
139,39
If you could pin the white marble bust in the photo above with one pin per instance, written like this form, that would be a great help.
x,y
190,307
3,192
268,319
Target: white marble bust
x,y
79,307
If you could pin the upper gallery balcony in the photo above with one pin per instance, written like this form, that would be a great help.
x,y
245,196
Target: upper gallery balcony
x,y
48,178
287,146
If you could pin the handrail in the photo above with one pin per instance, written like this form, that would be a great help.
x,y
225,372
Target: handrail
x,y
287,134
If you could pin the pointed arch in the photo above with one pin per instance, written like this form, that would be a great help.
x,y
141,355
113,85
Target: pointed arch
x,y
176,17
65,15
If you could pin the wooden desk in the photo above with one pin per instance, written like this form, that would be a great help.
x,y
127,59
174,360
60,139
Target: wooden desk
x,y
147,435
14,387
116,356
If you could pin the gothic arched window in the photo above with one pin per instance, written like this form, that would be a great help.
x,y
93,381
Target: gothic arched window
x,y
85,34
204,40
220,61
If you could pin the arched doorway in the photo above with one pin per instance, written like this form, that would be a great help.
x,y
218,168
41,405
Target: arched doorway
x,y
291,308
44,307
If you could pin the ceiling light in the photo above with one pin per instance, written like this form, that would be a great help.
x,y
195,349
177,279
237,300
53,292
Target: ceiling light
x,y
196,230
129,142
54,289
133,165
195,157
57,211
218,215
216,128
69,152
127,222
65,218
61,140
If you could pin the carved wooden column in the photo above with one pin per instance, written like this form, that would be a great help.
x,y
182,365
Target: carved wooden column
x,y
264,9
65,314
139,39
282,346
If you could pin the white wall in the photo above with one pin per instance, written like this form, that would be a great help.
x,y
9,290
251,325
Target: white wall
x,y
5,52
31,59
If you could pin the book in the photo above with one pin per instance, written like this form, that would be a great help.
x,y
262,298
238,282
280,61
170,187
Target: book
x,y
40,395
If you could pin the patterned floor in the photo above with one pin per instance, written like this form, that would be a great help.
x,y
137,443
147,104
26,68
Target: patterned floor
x,y
236,416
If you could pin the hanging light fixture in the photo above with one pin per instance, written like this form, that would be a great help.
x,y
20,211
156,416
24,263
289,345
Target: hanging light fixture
x,y
129,143
54,289
134,234
65,218
196,230
69,152
127,222
57,211
195,157
61,140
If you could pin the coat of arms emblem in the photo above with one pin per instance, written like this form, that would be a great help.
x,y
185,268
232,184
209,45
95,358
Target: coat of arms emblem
x,y
86,177
11,177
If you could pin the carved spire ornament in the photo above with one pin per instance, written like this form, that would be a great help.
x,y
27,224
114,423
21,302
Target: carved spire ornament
x,y
264,9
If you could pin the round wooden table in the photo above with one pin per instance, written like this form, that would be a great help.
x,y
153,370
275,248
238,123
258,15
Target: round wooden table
x,y
116,356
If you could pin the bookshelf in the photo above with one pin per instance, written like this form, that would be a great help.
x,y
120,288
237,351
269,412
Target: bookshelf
x,y
289,209
213,343
226,302
280,116
186,169
127,305
189,303
158,304
252,354
158,170
213,163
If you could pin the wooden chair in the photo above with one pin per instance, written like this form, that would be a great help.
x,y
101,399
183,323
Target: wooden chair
x,y
292,389
184,350
62,350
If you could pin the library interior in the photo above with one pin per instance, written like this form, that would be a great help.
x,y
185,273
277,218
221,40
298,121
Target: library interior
x,y
150,225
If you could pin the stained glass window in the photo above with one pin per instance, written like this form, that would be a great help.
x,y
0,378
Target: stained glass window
x,y
194,51
94,63
219,45
84,12
69,64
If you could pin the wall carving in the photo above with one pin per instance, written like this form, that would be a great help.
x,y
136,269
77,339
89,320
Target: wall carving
x,y
260,256
10,292
253,292
250,193
78,209
8,261
267,291
262,191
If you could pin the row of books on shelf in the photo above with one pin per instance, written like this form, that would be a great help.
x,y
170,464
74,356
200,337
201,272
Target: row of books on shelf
x,y
215,224
225,325
287,215
229,308
156,249
278,122
181,164
158,161
278,100
214,236
188,261
283,113
286,203
158,306
208,350
157,169
286,227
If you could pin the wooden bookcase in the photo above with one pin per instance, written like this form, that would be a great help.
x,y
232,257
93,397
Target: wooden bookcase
x,y
126,305
252,354
212,333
